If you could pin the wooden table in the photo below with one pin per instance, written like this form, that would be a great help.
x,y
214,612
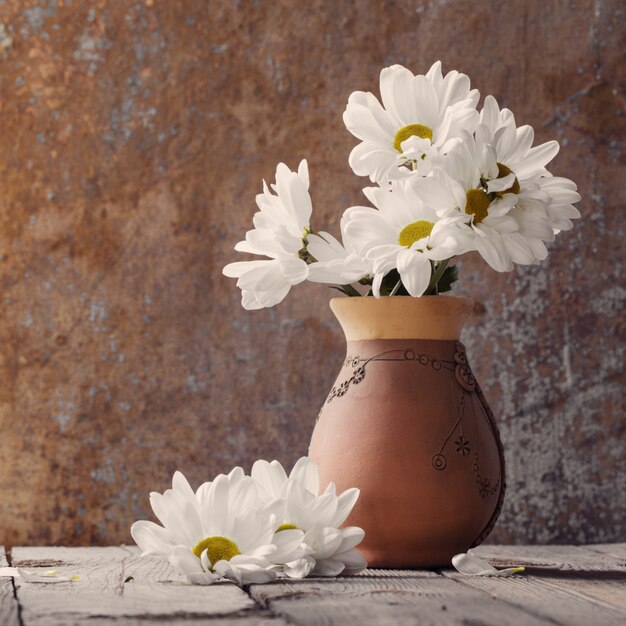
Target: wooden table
x,y
563,585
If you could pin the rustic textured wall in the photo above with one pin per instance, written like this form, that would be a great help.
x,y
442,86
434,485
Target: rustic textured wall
x,y
134,138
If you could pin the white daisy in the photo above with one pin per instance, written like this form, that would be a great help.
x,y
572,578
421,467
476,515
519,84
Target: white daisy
x,y
507,219
329,550
512,146
421,118
337,263
214,533
513,165
405,232
280,229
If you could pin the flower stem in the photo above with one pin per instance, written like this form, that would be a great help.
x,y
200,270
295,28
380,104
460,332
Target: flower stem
x,y
395,289
349,290
440,268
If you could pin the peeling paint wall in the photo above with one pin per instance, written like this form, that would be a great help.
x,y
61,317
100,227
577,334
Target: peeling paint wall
x,y
134,138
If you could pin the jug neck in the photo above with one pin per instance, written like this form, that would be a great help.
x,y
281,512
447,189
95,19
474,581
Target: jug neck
x,y
402,317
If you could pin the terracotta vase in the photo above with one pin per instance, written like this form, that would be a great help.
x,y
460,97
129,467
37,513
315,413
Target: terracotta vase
x,y
407,423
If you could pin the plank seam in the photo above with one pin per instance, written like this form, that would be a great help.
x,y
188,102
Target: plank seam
x,y
20,617
266,606
178,615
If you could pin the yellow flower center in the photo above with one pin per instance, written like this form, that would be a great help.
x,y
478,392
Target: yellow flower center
x,y
503,171
477,204
286,527
218,549
412,130
414,232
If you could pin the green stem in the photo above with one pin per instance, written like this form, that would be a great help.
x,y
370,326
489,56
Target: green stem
x,y
436,277
350,291
395,289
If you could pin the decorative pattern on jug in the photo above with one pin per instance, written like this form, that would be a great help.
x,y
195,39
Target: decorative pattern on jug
x,y
359,364
461,438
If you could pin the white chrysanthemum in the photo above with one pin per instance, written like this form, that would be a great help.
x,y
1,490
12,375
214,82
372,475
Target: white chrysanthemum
x,y
220,531
560,208
405,232
512,146
421,118
329,550
508,223
511,165
280,228
337,264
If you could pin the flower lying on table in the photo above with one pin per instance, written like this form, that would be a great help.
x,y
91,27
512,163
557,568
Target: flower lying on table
x,y
249,529
327,549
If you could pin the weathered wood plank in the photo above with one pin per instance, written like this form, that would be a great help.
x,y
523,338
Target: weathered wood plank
x,y
568,582
555,602
254,619
8,603
564,558
383,597
564,585
616,550
374,580
157,591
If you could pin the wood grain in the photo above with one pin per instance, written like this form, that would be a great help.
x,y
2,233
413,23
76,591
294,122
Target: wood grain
x,y
157,591
616,550
563,558
383,597
253,619
563,585
567,581
373,580
8,603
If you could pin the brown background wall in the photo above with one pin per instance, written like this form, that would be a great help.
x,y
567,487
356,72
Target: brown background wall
x,y
134,136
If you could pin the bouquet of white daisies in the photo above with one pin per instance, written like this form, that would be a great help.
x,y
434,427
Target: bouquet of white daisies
x,y
249,529
449,179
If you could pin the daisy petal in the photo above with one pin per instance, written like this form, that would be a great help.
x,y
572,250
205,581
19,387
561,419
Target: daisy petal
x,y
328,567
353,561
350,537
271,477
415,271
306,473
151,538
345,504
472,565
300,568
